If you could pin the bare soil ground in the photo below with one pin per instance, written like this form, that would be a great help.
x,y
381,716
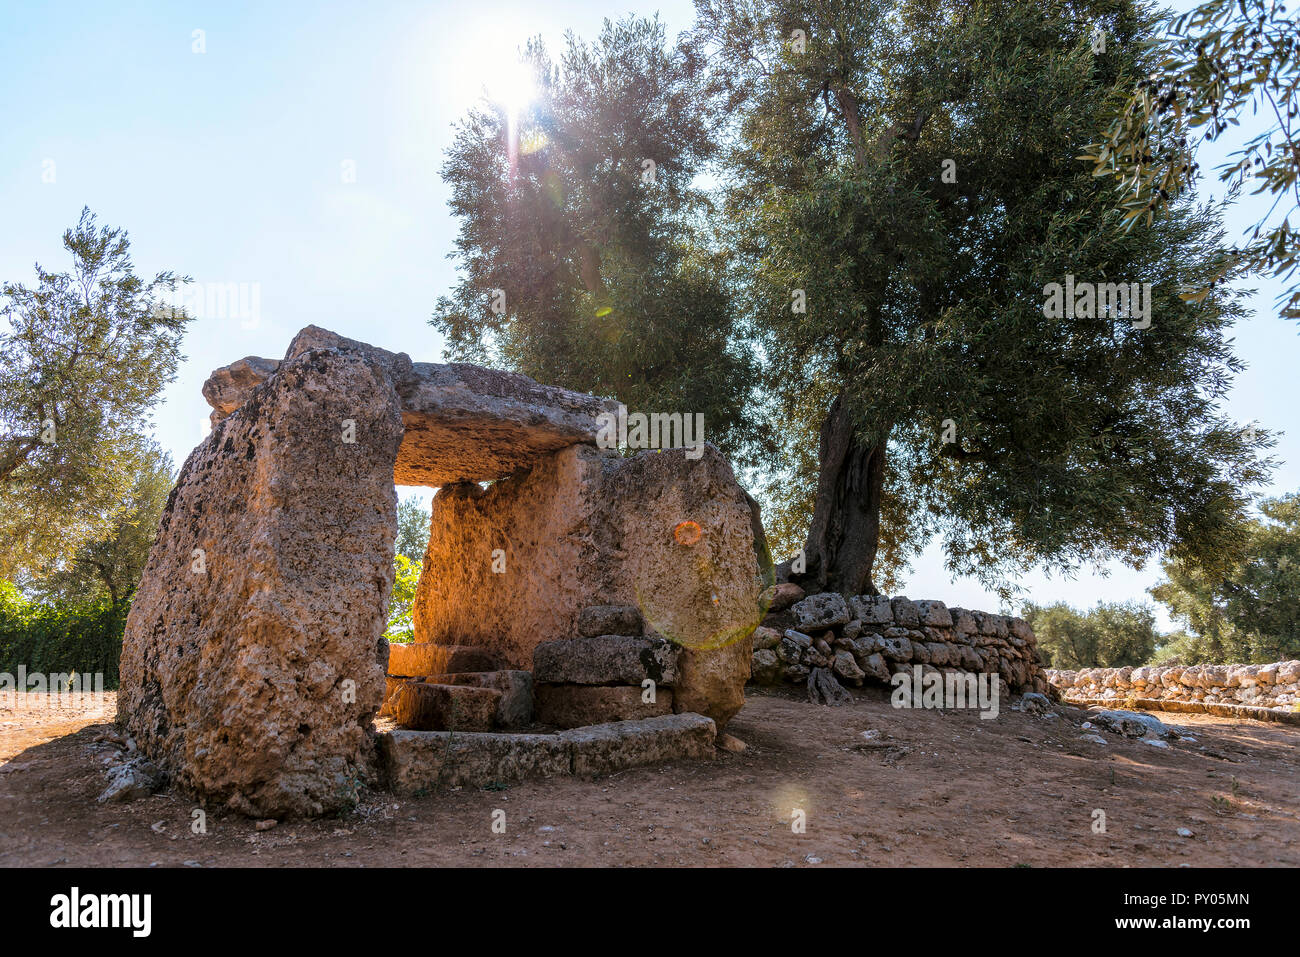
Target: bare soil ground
x,y
928,788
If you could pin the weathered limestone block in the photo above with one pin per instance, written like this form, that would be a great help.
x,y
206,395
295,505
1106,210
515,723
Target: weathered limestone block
x,y
596,620
606,660
416,761
847,669
765,667
905,612
515,707
675,537
391,684
252,660
991,624
876,667
573,706
821,611
711,681
963,622
898,648
784,595
605,748
420,706
419,659
872,609
934,613
463,423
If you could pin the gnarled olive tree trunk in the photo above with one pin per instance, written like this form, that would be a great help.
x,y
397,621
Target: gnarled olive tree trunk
x,y
845,530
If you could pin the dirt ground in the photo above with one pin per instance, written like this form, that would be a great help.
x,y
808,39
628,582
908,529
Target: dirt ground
x,y
920,788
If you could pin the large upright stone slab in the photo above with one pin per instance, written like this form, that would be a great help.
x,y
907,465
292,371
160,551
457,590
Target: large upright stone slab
x,y
253,660
513,565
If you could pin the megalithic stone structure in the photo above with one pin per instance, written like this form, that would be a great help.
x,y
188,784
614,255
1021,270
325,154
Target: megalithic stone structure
x,y
254,662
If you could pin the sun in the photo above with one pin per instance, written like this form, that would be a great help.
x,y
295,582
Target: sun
x,y
510,84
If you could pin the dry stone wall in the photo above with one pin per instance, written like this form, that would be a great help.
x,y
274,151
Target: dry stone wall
x,y
867,639
1275,686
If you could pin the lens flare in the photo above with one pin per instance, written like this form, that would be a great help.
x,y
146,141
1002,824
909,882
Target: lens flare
x,y
688,533
706,599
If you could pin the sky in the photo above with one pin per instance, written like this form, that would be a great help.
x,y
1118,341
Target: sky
x,y
289,153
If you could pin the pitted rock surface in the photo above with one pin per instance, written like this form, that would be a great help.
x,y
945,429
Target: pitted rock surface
x,y
462,423
253,659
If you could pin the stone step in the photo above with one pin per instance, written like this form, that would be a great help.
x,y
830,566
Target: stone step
x,y
419,760
391,684
575,706
515,708
605,660
597,620
418,706
422,658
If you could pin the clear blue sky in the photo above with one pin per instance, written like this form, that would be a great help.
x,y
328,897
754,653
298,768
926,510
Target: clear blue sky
x,y
229,165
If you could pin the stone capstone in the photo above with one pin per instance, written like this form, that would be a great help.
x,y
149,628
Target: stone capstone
x,y
462,423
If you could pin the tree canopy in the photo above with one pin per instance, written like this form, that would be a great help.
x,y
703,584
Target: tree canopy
x,y
904,186
1248,611
584,246
111,566
82,363
1212,64
1111,635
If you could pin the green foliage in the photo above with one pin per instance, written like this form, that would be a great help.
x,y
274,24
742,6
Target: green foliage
x,y
412,529
58,638
406,575
1246,609
1181,648
610,283
83,361
412,540
112,566
1112,635
1211,65
1077,441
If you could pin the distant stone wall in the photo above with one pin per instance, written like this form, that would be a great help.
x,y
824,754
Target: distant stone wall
x,y
869,638
1274,685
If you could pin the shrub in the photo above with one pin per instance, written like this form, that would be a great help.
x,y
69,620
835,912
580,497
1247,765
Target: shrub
x,y
84,636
